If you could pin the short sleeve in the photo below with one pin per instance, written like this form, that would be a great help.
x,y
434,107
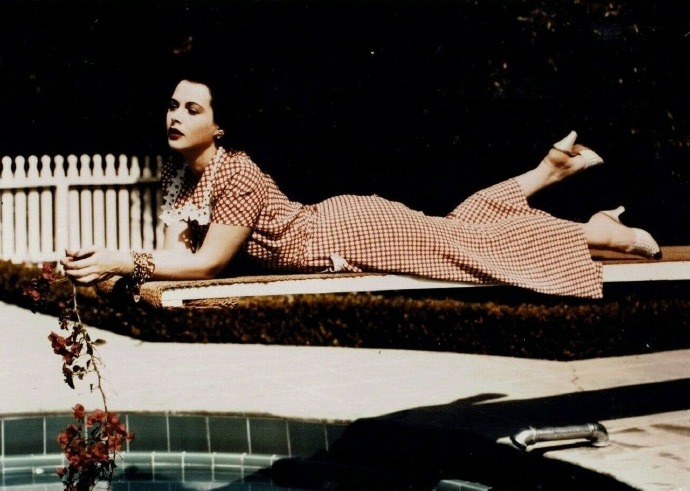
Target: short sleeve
x,y
240,195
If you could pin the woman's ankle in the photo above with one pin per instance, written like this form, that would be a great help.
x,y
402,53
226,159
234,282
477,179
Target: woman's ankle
x,y
536,179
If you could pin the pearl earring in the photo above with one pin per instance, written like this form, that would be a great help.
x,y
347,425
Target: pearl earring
x,y
219,134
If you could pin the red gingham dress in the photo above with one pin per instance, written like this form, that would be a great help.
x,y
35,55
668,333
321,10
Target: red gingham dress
x,y
492,237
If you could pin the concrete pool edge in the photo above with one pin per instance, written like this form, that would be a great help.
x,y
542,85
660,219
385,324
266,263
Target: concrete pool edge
x,y
341,385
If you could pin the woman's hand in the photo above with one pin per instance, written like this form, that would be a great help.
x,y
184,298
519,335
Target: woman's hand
x,y
94,264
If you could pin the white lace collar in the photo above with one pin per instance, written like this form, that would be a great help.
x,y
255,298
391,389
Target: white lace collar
x,y
190,211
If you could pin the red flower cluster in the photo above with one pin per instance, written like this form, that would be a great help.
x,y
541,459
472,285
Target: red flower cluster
x,y
38,288
67,347
90,445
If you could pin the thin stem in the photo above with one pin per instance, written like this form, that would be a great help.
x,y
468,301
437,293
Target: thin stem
x,y
95,361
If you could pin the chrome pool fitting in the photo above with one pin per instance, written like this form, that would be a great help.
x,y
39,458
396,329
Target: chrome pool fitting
x,y
594,432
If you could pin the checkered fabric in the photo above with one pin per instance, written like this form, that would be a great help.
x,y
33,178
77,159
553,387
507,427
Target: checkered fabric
x,y
492,237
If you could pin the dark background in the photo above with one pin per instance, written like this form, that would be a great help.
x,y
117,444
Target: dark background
x,y
423,102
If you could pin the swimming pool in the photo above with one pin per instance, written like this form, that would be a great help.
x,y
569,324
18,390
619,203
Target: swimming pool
x,y
177,451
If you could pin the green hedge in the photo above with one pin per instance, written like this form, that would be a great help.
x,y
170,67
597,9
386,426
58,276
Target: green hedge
x,y
632,318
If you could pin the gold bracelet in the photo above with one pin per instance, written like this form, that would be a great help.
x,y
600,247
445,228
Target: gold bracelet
x,y
142,272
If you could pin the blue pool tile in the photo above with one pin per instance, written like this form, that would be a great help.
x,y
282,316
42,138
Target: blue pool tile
x,y
188,433
228,466
55,425
334,432
228,434
254,462
168,467
197,467
306,438
151,433
23,436
147,486
268,436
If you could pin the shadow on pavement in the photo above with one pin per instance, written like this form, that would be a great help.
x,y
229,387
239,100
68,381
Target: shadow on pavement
x,y
415,448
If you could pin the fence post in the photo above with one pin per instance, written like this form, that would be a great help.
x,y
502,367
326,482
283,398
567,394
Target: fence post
x,y
72,223
98,204
86,203
110,205
46,176
61,205
135,206
34,212
123,208
7,213
20,218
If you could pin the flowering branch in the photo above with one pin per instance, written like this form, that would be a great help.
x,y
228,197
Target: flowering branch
x,y
92,442
90,445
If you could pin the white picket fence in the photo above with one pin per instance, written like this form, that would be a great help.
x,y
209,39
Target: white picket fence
x,y
50,204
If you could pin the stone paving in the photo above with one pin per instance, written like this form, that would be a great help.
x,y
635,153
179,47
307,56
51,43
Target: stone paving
x,y
643,400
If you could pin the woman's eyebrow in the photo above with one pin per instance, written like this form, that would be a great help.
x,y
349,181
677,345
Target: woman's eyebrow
x,y
193,104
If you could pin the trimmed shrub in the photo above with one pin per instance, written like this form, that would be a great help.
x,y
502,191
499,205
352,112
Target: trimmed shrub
x,y
632,318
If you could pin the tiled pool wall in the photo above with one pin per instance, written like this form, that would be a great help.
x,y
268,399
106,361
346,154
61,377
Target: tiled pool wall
x,y
178,447
169,447
37,435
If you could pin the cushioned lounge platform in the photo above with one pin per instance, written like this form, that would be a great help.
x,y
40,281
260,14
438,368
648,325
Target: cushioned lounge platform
x,y
675,266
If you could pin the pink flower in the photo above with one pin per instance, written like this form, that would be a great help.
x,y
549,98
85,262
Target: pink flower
x,y
98,416
32,292
79,412
100,452
58,342
48,272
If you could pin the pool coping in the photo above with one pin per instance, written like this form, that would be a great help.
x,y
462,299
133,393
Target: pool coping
x,y
340,385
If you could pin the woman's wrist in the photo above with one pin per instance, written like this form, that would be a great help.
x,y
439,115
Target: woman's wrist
x,y
125,264
143,268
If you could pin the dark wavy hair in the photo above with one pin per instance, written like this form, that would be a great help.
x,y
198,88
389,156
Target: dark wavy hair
x,y
229,97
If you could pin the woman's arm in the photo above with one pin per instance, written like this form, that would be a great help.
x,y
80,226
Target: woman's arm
x,y
175,261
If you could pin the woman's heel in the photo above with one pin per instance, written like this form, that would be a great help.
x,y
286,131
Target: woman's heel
x,y
644,244
566,144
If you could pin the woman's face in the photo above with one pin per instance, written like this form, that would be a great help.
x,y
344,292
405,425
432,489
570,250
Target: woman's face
x,y
190,121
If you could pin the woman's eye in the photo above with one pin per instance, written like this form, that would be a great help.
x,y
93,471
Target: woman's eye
x,y
193,111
